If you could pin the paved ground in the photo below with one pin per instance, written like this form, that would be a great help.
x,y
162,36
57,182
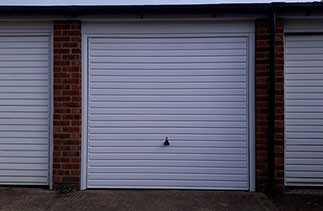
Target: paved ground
x,y
140,200
302,201
156,200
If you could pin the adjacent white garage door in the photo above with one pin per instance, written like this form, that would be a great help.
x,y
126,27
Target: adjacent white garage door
x,y
189,87
304,110
24,109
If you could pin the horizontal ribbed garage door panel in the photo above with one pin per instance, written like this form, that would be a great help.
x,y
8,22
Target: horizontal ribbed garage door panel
x,y
295,148
43,122
169,184
213,72
304,83
305,135
163,163
170,157
160,79
173,59
178,143
167,46
24,109
166,91
200,124
302,122
304,96
168,111
174,117
23,153
144,104
304,44
175,136
41,141
190,88
304,50
304,154
309,161
166,66
157,40
22,45
14,160
304,110
305,128
24,166
169,170
22,180
179,150
152,176
25,51
308,57
167,53
308,113
21,58
170,130
176,98
25,173
160,85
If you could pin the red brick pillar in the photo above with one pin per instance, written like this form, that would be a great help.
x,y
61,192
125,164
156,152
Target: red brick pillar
x,y
67,103
262,103
262,99
279,106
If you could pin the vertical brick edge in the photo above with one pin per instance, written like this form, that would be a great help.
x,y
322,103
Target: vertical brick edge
x,y
67,103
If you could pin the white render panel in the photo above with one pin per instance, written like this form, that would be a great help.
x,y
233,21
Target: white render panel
x,y
190,87
24,105
303,109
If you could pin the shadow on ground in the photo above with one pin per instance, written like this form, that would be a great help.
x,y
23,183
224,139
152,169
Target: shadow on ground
x,y
134,200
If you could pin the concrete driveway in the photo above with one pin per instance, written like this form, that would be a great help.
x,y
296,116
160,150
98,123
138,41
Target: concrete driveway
x,y
299,200
141,200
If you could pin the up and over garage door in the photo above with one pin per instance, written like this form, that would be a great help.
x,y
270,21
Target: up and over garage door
x,y
24,104
304,110
184,82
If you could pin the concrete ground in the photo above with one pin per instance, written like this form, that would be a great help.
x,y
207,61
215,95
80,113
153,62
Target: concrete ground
x,y
134,200
299,201
14,198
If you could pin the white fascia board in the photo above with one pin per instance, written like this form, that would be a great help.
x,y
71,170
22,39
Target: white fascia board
x,y
136,2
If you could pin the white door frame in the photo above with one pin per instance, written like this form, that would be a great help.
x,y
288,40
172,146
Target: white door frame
x,y
89,32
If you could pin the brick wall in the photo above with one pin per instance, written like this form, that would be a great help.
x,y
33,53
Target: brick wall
x,y
262,103
67,102
279,106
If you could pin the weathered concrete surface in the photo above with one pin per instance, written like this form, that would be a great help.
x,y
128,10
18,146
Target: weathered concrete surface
x,y
134,200
303,201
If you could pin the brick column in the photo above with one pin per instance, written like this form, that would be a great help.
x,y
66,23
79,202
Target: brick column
x,y
279,106
67,103
262,103
262,99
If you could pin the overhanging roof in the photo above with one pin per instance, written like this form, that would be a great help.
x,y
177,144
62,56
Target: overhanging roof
x,y
75,8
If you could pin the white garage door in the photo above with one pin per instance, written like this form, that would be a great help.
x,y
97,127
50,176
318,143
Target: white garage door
x,y
190,88
304,110
24,109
